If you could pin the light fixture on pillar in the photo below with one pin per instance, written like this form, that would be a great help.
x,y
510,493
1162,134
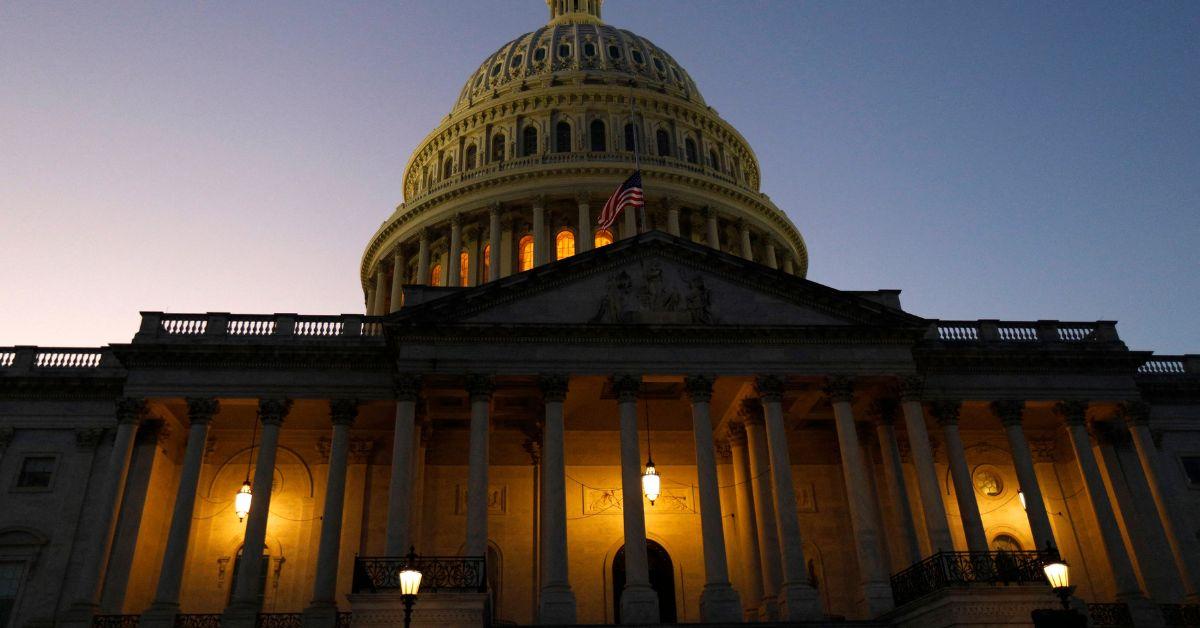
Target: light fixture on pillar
x,y
651,481
1059,575
241,501
410,584
1021,498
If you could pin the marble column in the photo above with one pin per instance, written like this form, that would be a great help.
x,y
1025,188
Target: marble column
x,y
936,527
242,611
884,411
557,600
787,265
672,218
129,413
494,242
744,233
584,237
639,602
398,267
423,257
630,226
771,259
399,522
946,414
713,229
539,231
1010,413
767,530
379,299
453,256
797,598
747,528
1137,420
872,572
719,602
322,610
479,388
421,436
162,611
1128,590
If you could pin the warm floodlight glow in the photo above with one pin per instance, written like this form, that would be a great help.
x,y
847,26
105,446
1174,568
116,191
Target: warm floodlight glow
x,y
241,501
1058,574
651,482
410,581
1021,498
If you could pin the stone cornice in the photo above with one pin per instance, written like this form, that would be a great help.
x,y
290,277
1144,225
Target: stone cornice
x,y
374,357
1026,359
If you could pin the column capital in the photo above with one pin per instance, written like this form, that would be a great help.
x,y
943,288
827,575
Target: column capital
x,y
131,410
201,410
360,449
1135,412
839,388
273,411
456,220
1009,411
397,255
769,387
671,203
699,387
751,411
912,387
494,209
708,211
85,437
407,386
1072,411
737,433
343,411
626,386
583,198
883,410
945,411
423,235
539,201
554,386
480,386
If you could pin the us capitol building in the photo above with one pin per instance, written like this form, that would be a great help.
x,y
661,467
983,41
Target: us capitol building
x,y
571,425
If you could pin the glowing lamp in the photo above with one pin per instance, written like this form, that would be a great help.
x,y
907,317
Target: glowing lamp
x,y
651,482
1021,498
410,584
410,581
241,501
1059,576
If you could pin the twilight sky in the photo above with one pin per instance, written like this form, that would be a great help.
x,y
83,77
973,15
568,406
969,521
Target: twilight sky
x,y
1012,160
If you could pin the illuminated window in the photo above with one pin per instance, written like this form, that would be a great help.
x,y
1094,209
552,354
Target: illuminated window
x,y
435,275
603,237
464,261
564,244
526,260
487,263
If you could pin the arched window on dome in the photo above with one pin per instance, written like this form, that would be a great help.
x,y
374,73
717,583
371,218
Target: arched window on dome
x,y
689,151
464,268
486,263
472,157
525,258
596,131
529,141
564,244
604,237
663,141
714,161
562,137
631,138
448,168
435,275
498,147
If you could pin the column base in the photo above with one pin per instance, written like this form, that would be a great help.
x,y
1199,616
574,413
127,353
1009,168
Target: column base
x,y
240,615
319,615
159,615
78,615
877,599
720,604
799,602
769,608
1144,612
639,605
557,605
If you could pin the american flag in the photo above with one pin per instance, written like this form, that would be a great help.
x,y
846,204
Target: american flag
x,y
628,194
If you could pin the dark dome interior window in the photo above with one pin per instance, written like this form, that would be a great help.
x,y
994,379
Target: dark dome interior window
x,y
689,150
498,147
637,57
516,61
596,131
614,52
630,138
675,73
472,157
658,64
495,69
589,49
539,54
529,141
562,138
663,140
564,50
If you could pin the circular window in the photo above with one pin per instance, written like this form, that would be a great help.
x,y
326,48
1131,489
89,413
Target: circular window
x,y
637,57
987,481
539,54
1005,543
614,52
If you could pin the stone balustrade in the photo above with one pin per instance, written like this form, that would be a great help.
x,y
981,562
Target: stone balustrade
x,y
1170,365
1024,332
159,326
24,360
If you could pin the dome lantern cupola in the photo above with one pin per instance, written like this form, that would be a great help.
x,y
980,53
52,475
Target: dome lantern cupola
x,y
574,11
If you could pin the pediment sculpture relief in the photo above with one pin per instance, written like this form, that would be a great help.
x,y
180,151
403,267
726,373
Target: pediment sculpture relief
x,y
653,297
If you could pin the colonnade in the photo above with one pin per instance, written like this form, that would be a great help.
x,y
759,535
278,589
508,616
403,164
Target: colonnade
x,y
773,567
504,228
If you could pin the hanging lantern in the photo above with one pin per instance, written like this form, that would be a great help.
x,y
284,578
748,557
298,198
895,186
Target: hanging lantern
x,y
241,501
651,482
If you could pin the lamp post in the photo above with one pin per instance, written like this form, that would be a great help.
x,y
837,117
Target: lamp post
x,y
1058,573
410,584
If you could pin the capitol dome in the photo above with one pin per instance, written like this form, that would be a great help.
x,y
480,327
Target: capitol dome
x,y
541,134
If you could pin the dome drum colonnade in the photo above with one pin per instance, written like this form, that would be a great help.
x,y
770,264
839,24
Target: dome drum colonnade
x,y
541,134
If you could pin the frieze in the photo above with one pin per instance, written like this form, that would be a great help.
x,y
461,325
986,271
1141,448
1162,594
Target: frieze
x,y
497,499
652,297
610,501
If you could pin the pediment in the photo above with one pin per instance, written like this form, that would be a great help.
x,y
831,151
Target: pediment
x,y
654,280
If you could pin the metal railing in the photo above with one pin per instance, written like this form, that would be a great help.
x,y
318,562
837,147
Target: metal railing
x,y
947,569
115,621
1021,332
1115,615
198,620
438,573
1180,614
279,620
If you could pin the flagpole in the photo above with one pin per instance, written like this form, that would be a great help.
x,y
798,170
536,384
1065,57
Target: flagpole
x,y
637,159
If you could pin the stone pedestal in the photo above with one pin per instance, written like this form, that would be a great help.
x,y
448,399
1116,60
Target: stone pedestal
x,y
441,610
985,605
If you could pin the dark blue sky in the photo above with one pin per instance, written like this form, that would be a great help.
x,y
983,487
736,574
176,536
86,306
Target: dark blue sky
x,y
992,160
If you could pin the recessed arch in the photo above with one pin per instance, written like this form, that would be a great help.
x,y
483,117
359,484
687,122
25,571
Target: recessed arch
x,y
529,141
597,136
525,253
562,137
564,244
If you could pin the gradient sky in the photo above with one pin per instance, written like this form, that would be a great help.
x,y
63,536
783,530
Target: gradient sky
x,y
992,160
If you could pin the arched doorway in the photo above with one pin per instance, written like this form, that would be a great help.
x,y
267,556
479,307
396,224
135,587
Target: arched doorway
x,y
662,580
